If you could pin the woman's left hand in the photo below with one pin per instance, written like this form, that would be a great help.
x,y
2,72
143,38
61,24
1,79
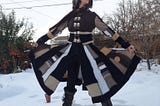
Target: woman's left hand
x,y
131,48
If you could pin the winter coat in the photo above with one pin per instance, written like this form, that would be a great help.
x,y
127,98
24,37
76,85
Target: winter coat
x,y
103,72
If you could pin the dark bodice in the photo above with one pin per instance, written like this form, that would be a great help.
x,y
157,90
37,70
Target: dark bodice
x,y
83,21
81,26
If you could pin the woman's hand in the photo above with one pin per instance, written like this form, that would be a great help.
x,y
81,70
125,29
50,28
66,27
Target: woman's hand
x,y
131,48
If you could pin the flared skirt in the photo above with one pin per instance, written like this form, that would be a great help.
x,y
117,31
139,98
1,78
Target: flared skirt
x,y
110,68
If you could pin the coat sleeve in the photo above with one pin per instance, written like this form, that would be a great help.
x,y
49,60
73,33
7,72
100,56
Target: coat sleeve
x,y
109,32
53,31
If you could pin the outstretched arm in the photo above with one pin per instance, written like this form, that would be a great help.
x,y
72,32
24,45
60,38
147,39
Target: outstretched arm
x,y
110,33
56,29
53,31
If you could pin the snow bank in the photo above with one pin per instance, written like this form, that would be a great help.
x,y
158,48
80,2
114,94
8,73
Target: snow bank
x,y
22,89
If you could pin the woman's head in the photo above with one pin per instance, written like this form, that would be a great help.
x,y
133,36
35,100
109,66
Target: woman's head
x,y
82,3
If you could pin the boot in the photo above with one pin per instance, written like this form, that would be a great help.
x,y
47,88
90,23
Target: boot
x,y
68,97
107,103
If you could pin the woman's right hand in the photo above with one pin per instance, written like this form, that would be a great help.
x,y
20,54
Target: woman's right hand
x,y
131,48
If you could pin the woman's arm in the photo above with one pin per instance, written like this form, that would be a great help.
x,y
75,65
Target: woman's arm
x,y
53,31
56,29
110,33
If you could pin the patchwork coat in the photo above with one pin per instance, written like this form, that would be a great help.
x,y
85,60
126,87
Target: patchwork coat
x,y
103,72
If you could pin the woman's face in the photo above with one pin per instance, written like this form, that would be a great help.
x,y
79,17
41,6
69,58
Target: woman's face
x,y
83,3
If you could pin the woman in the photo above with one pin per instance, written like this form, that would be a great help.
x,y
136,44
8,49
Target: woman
x,y
103,72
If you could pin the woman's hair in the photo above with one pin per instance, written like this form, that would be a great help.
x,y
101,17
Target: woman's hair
x,y
76,4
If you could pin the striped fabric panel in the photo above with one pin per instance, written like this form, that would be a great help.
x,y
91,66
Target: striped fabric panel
x,y
54,58
107,75
120,66
45,66
64,49
101,82
51,82
106,51
94,90
121,59
108,78
48,64
53,66
41,52
126,53
47,56
92,52
103,68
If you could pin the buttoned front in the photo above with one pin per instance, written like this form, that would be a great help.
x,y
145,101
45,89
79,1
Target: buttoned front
x,y
82,24
83,21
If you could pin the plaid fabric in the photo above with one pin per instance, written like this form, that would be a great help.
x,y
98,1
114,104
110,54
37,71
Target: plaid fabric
x,y
105,71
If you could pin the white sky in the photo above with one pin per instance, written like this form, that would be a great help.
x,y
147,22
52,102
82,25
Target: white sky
x,y
45,17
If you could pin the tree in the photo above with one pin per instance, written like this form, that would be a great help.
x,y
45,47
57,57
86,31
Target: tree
x,y
13,36
139,20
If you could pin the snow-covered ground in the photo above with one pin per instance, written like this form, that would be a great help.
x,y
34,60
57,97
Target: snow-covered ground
x,y
22,89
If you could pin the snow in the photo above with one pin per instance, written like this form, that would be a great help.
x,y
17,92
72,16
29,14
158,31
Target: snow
x,y
22,89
